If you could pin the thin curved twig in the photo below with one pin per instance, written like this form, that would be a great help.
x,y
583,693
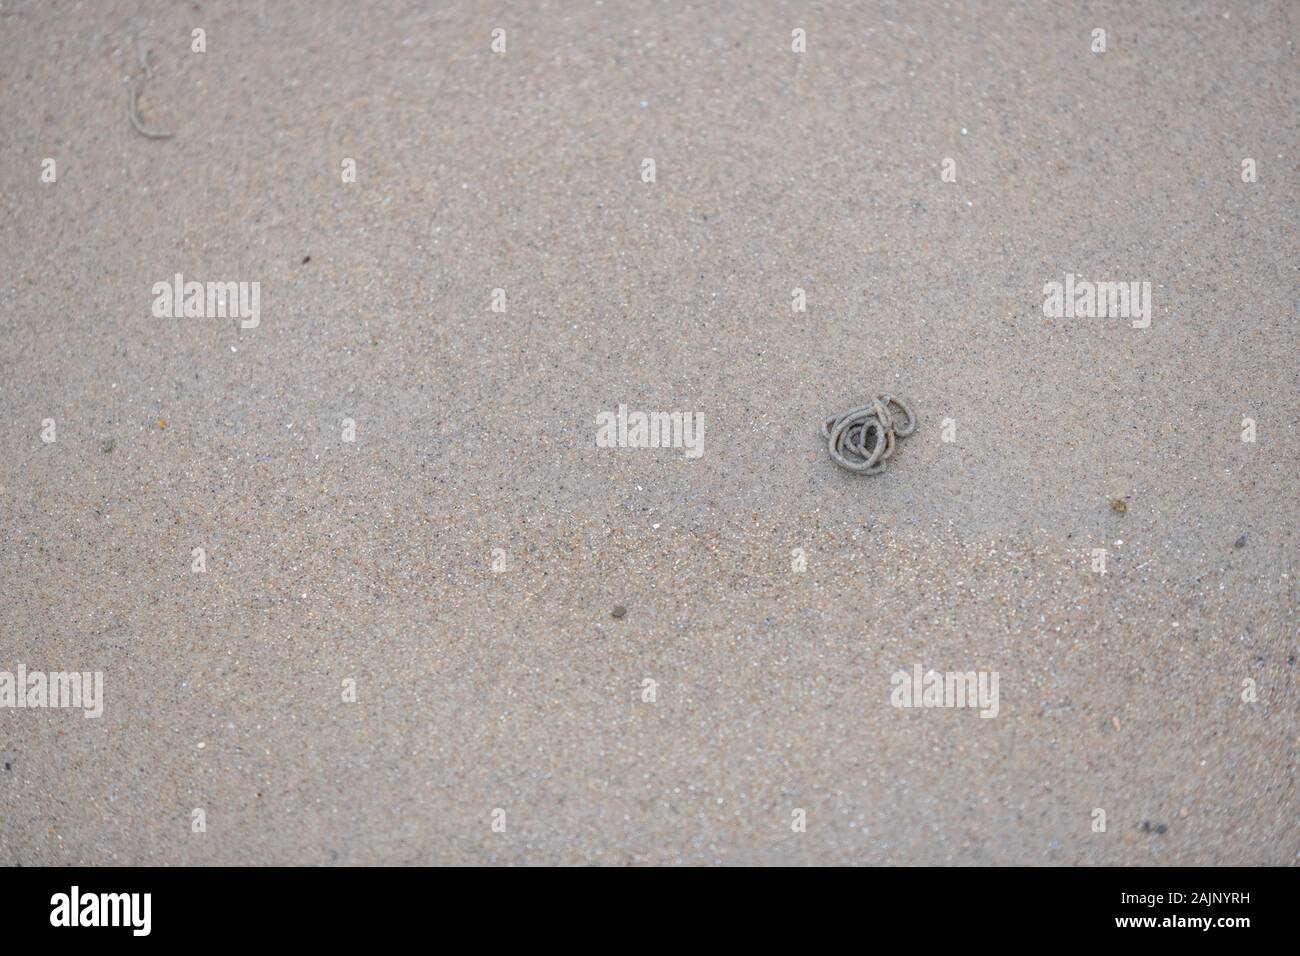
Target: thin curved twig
x,y
133,111
139,124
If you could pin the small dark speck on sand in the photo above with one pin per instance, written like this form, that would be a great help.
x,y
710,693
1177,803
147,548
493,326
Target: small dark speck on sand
x,y
306,259
1149,827
108,446
619,611
1240,542
8,766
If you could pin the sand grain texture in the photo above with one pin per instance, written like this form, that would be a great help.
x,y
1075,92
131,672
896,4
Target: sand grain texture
x,y
371,560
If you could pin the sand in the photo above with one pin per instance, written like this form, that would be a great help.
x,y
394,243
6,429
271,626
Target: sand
x,y
515,689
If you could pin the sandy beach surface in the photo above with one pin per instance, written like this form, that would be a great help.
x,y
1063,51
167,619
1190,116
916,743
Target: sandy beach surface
x,y
456,567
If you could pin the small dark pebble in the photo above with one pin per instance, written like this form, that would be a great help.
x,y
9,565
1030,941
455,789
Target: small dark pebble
x,y
306,259
619,611
7,765
1240,542
1149,827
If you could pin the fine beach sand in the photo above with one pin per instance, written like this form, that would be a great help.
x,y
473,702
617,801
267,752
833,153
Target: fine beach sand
x,y
371,561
